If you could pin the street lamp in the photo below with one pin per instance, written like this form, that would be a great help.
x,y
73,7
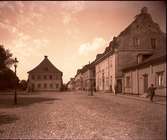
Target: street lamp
x,y
15,90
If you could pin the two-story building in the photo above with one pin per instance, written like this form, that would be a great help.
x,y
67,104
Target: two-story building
x,y
142,36
45,77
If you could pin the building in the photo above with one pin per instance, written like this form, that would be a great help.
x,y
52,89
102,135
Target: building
x,y
88,77
78,80
150,70
105,70
71,84
142,36
45,77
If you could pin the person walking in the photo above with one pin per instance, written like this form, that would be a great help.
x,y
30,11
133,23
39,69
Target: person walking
x,y
151,91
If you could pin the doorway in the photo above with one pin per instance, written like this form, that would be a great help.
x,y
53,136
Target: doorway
x,y
119,86
145,82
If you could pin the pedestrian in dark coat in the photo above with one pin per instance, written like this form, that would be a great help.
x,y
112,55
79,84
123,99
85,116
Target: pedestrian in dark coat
x,y
151,91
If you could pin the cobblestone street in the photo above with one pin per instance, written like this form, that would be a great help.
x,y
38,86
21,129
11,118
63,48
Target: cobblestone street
x,y
78,116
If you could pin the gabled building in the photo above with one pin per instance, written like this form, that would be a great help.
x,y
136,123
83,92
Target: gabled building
x,y
142,36
45,77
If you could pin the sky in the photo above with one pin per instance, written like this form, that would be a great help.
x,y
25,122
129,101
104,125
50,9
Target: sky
x,y
70,33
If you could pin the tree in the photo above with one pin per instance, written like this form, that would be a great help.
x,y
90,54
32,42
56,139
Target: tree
x,y
8,78
6,59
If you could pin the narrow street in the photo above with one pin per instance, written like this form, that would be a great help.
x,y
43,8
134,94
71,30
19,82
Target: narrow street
x,y
78,116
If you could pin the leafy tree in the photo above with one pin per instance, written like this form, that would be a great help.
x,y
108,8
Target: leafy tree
x,y
6,59
8,79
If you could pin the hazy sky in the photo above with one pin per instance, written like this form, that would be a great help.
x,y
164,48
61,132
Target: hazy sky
x,y
70,33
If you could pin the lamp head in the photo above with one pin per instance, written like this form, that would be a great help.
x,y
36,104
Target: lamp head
x,y
15,62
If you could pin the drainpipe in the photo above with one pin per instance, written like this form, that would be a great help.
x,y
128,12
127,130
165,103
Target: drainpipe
x,y
137,81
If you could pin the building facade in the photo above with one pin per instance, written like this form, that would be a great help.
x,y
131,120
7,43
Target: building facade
x,y
78,80
137,78
71,85
142,36
88,76
105,72
45,77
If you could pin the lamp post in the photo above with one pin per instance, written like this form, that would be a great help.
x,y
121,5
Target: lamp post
x,y
15,90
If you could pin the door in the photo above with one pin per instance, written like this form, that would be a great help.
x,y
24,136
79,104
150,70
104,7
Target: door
x,y
145,82
119,86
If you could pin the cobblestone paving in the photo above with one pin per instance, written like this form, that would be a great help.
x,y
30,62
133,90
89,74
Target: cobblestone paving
x,y
71,115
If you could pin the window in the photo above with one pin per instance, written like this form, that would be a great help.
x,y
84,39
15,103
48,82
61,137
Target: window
x,y
51,85
39,85
159,80
128,81
33,86
33,77
107,81
50,77
45,77
57,85
45,85
136,42
153,43
39,77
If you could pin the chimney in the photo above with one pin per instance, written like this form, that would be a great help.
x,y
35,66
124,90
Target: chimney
x,y
46,56
144,10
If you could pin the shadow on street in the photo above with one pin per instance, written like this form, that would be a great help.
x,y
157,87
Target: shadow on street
x,y
7,118
8,101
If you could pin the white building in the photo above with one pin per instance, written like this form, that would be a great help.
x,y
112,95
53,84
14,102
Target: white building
x,y
45,77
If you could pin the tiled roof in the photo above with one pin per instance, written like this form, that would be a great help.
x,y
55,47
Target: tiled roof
x,y
45,66
158,56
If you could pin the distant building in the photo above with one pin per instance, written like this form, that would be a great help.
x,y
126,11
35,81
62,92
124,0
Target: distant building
x,y
142,36
78,80
71,84
88,77
45,77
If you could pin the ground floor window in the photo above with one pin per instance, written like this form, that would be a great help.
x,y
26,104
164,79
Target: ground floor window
x,y
39,85
51,85
45,85
159,79
33,86
128,81
57,85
